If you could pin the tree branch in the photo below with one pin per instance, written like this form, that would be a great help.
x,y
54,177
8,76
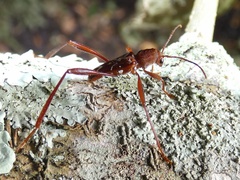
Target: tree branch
x,y
202,19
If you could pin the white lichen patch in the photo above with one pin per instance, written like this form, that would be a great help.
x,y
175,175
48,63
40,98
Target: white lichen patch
x,y
20,69
7,155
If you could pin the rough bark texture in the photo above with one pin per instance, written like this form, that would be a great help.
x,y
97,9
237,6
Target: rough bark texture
x,y
100,130
104,146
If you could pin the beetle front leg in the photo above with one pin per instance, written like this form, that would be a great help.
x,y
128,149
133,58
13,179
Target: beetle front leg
x,y
156,76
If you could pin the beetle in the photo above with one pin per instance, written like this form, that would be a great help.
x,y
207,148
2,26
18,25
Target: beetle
x,y
127,63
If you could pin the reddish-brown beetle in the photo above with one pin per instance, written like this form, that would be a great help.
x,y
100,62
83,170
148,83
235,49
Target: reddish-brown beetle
x,y
127,63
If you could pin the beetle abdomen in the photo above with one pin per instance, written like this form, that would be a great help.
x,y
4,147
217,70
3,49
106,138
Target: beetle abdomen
x,y
122,65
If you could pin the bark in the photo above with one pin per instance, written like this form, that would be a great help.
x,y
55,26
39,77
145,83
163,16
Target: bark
x,y
94,131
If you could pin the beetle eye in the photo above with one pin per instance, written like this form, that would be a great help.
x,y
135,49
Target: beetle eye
x,y
160,61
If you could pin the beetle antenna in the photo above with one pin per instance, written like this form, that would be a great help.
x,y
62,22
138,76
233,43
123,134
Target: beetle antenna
x,y
184,59
170,37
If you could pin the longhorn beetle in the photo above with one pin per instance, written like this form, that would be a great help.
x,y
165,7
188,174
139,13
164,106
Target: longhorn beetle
x,y
127,63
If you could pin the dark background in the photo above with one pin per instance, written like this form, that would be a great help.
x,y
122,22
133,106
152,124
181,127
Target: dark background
x,y
43,25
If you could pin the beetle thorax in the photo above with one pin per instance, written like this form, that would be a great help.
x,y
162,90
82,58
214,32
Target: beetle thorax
x,y
148,57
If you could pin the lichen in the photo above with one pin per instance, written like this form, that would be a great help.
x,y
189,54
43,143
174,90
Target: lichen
x,y
7,155
204,119
199,130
